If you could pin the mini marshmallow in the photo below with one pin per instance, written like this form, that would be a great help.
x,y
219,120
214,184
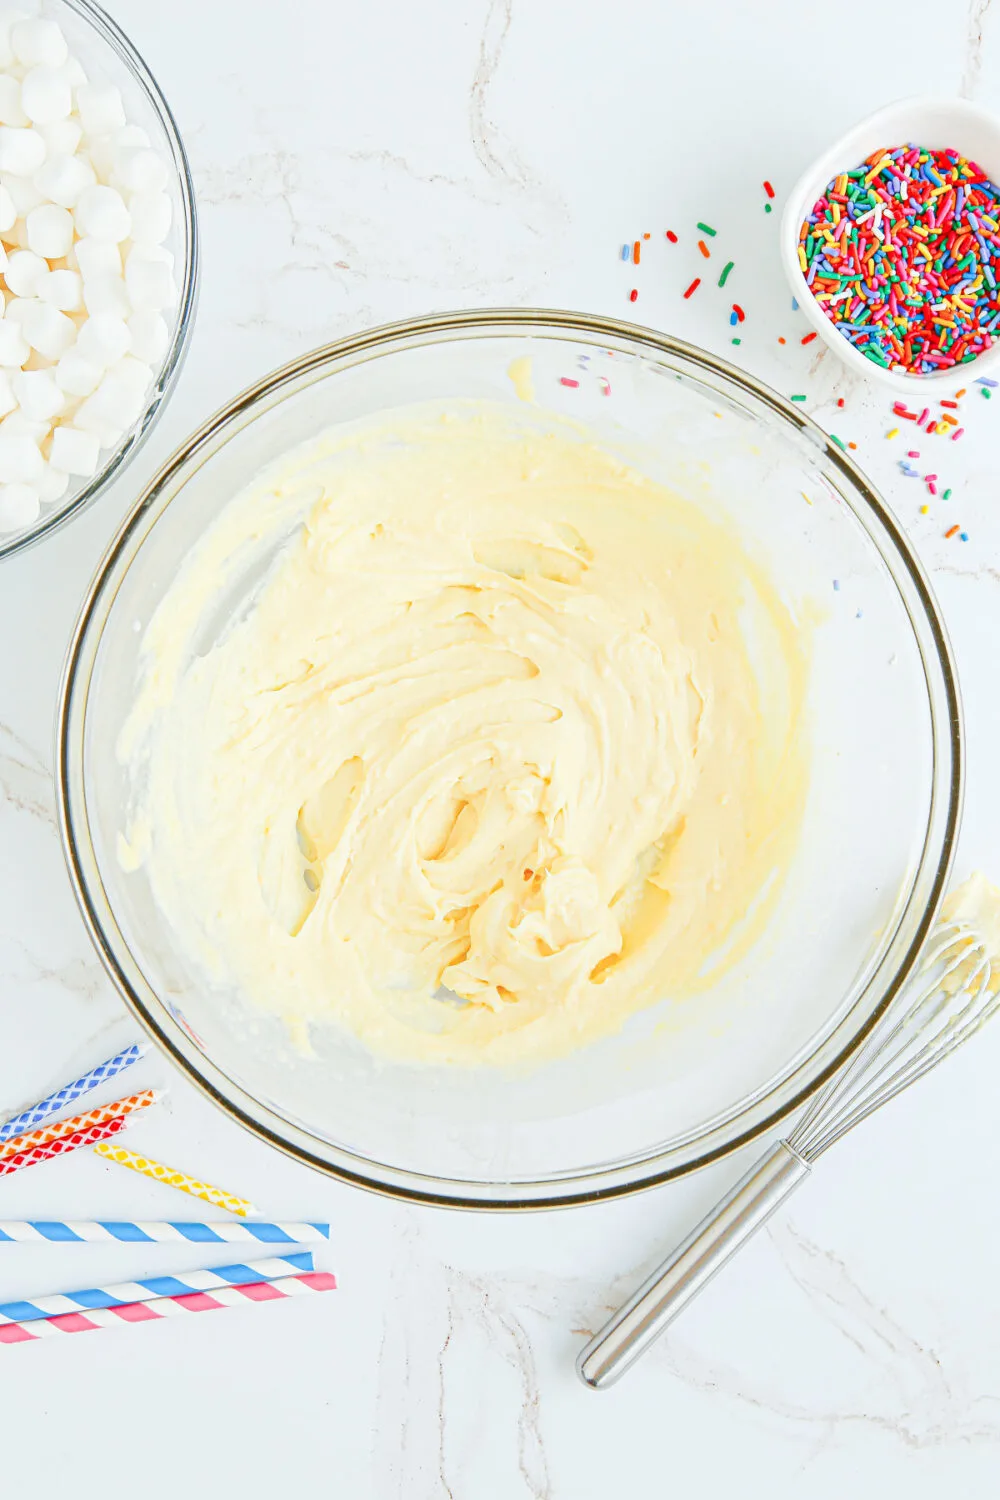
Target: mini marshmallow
x,y
25,269
11,109
138,169
151,216
16,424
150,284
8,210
14,347
20,458
24,194
48,330
133,373
50,231
76,451
106,294
77,375
8,401
150,336
8,20
18,308
115,405
100,108
103,339
100,211
63,178
61,138
21,151
52,484
46,95
62,289
73,71
38,42
19,506
97,258
38,395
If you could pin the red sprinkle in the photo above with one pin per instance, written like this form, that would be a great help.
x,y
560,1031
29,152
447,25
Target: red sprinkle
x,y
565,380
635,253
633,295
769,190
740,314
809,338
840,400
696,283
671,236
952,404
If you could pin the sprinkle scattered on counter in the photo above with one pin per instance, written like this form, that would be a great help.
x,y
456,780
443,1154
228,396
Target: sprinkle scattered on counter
x,y
633,295
706,252
725,272
567,380
808,338
671,236
797,398
899,253
696,283
707,229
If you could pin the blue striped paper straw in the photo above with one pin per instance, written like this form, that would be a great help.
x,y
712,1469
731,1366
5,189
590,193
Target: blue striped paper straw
x,y
28,1118
235,1231
156,1286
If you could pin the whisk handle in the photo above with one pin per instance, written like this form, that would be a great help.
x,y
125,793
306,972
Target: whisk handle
x,y
680,1278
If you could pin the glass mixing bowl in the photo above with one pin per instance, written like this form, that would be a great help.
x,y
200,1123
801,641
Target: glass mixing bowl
x,y
109,57
686,1081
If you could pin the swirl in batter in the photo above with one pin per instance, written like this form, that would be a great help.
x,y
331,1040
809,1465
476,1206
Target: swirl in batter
x,y
505,749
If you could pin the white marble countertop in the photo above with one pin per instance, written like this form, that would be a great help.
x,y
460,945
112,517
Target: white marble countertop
x,y
356,164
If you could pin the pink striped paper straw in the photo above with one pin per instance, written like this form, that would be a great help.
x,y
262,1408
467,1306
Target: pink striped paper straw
x,y
73,1142
45,1134
167,1307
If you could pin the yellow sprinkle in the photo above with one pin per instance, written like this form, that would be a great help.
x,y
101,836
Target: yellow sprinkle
x,y
893,432
805,497
841,184
802,260
836,213
181,1180
924,510
876,169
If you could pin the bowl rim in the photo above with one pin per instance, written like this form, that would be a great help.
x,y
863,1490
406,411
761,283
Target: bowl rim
x,y
902,119
173,359
604,1181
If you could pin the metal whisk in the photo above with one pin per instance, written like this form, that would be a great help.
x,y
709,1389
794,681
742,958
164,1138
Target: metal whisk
x,y
955,991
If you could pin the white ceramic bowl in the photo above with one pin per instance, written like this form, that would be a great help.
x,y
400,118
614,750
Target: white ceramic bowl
x,y
938,123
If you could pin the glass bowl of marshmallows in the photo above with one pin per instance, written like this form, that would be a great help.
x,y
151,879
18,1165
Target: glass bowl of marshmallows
x,y
98,260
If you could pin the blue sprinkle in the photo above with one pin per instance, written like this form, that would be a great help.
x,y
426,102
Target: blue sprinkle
x,y
733,320
836,585
626,252
795,305
981,380
963,536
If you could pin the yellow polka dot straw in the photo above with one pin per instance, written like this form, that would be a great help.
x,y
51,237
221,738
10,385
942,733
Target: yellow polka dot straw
x,y
181,1180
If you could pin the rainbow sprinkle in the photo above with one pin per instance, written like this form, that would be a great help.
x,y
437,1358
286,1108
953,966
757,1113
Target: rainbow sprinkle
x,y
900,254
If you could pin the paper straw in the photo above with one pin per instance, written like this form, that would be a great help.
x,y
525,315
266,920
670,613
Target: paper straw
x,y
162,1232
89,1137
48,1106
157,1286
167,1307
204,1190
45,1134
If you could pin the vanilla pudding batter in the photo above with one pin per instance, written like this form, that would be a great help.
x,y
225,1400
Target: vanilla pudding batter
x,y
506,749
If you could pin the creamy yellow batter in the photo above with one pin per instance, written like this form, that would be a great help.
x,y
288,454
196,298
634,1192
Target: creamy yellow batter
x,y
508,747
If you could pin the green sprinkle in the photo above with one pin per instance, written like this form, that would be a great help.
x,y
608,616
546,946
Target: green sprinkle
x,y
984,392
797,398
767,208
737,341
946,495
725,272
835,439
707,229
